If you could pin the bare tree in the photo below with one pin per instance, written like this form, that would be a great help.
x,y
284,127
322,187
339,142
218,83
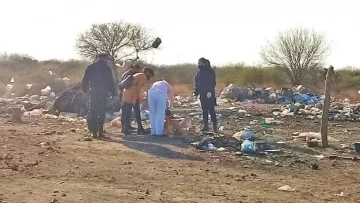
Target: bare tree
x,y
117,39
296,52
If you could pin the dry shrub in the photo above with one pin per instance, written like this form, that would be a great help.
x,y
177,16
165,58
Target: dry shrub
x,y
183,89
27,70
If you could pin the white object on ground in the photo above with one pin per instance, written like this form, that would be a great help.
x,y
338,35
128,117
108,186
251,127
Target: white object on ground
x,y
286,188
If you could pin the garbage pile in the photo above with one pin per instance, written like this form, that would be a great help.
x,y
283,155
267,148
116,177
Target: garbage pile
x,y
244,142
6,104
184,101
298,94
338,111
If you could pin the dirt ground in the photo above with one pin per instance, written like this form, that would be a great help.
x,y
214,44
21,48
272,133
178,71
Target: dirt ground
x,y
52,162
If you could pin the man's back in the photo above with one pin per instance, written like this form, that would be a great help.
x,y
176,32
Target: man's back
x,y
98,77
130,95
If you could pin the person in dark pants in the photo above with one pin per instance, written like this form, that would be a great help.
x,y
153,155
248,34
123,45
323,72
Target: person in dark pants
x,y
98,81
205,82
140,130
134,94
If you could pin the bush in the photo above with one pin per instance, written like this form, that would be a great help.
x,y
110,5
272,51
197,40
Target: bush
x,y
27,70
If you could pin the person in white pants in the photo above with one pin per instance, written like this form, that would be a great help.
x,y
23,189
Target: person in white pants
x,y
159,92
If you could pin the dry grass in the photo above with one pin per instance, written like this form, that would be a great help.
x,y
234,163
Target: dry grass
x,y
27,70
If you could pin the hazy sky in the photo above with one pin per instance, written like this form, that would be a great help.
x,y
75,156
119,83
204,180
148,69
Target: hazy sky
x,y
223,31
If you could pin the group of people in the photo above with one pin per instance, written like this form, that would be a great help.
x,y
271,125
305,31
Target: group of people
x,y
98,82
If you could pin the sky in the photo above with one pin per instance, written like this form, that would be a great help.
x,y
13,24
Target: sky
x,y
226,31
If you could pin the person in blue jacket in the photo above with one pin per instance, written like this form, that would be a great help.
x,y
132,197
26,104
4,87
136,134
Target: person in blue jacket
x,y
205,82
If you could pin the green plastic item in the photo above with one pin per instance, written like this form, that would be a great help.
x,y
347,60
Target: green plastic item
x,y
265,125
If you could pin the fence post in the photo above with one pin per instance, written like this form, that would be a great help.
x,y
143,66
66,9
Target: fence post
x,y
325,113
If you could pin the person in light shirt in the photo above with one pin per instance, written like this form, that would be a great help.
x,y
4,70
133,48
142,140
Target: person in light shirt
x,y
159,92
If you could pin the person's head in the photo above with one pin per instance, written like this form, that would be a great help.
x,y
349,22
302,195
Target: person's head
x,y
202,61
136,68
102,57
149,73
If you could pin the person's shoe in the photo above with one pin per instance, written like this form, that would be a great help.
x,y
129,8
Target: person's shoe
x,y
101,134
101,131
205,128
140,131
94,134
215,128
127,132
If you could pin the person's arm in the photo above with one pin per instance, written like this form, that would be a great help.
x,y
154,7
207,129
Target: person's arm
x,y
197,84
140,81
110,80
170,93
86,79
213,79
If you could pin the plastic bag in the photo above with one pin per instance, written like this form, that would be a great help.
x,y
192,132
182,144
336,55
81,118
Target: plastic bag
x,y
248,147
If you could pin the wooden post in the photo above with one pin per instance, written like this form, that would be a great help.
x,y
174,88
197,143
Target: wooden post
x,y
16,115
325,114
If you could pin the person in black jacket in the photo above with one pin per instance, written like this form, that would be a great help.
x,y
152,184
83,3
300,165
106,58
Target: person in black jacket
x,y
131,71
98,81
205,82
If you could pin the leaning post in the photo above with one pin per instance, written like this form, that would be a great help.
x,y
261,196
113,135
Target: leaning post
x,y
325,113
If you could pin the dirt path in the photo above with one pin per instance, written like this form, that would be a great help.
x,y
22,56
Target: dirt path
x,y
144,169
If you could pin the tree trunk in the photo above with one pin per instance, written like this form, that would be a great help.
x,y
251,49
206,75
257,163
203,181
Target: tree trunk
x,y
325,114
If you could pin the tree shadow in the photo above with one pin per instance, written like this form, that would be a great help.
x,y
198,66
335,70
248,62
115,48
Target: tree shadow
x,y
152,145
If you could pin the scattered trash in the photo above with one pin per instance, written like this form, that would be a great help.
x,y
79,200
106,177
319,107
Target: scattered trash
x,y
286,188
218,194
222,128
45,145
208,147
116,122
211,143
265,125
35,112
35,123
248,147
145,115
357,147
88,139
246,134
68,115
238,153
340,195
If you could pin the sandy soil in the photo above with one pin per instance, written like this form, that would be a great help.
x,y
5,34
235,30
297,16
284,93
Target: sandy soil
x,y
52,162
